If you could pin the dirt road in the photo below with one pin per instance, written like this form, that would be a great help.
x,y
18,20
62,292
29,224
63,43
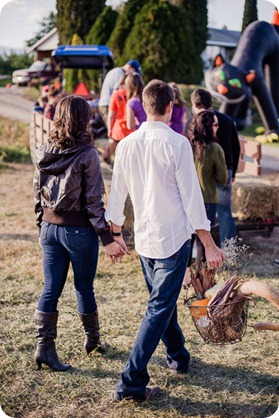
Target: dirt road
x,y
13,105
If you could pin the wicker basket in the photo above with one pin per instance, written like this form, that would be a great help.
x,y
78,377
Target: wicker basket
x,y
222,324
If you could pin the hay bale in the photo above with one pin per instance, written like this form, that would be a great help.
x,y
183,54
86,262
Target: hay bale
x,y
255,199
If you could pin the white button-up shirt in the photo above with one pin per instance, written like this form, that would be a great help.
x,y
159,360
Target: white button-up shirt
x,y
155,166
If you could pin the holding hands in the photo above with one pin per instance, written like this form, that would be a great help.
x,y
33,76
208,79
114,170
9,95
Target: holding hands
x,y
116,249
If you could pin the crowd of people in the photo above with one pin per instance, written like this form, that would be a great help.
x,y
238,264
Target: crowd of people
x,y
178,174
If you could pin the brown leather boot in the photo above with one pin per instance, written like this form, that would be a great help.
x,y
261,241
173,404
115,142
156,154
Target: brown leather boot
x,y
46,324
91,327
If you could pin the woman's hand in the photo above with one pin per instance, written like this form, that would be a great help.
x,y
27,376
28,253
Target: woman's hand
x,y
116,249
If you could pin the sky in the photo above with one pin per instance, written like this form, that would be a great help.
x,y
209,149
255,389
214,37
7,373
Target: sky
x,y
20,19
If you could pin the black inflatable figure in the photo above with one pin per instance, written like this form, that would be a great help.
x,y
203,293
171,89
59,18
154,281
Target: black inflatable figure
x,y
253,71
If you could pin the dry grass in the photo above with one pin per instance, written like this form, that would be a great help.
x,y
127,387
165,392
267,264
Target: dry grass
x,y
239,380
14,141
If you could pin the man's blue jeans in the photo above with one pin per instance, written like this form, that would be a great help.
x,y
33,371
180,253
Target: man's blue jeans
x,y
62,245
164,279
227,227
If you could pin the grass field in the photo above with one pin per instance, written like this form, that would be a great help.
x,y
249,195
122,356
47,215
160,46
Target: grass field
x,y
240,380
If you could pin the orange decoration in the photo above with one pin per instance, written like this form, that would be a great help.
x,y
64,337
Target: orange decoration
x,y
275,18
198,308
250,76
222,89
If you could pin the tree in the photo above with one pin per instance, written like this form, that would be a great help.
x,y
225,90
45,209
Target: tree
x,y
74,76
99,35
250,13
103,27
76,17
10,62
123,27
46,25
162,42
198,19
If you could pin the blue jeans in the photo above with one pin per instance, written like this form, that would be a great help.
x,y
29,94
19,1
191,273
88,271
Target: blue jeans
x,y
227,227
62,245
164,279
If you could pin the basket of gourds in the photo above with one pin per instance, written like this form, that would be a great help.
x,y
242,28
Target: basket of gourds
x,y
219,310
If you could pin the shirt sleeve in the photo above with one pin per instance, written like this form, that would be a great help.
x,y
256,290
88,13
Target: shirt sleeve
x,y
93,190
190,191
221,172
118,192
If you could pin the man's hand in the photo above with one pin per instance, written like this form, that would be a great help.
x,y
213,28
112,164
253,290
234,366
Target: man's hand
x,y
214,257
213,254
116,249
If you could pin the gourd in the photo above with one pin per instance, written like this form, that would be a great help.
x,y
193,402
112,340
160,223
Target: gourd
x,y
198,308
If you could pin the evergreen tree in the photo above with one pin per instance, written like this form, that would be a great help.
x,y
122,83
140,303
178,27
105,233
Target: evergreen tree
x,y
123,26
198,18
76,17
103,27
74,76
99,35
162,41
250,13
46,25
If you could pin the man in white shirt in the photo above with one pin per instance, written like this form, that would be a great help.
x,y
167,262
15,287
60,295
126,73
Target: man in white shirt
x,y
155,166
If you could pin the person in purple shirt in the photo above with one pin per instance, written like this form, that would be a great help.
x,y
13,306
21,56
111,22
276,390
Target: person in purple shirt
x,y
178,118
135,113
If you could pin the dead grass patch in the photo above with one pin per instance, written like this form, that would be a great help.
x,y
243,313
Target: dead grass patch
x,y
239,380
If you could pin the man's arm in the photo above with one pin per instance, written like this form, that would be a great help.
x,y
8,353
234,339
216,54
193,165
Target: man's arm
x,y
213,254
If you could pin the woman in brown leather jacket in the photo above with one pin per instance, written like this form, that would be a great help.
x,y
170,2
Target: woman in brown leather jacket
x,y
68,190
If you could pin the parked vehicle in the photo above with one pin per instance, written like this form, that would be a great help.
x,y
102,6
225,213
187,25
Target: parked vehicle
x,y
40,72
97,57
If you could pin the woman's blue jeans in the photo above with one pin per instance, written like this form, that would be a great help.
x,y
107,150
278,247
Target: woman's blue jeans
x,y
62,245
210,209
164,279
227,227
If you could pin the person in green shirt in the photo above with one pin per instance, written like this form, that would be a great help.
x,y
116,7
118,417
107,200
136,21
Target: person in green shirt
x,y
210,165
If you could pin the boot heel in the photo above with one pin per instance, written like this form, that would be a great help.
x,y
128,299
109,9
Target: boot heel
x,y
39,365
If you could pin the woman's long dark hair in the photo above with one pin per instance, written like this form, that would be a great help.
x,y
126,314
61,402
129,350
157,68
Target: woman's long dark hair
x,y
202,133
71,123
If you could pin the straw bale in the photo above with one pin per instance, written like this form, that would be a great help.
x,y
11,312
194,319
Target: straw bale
x,y
255,200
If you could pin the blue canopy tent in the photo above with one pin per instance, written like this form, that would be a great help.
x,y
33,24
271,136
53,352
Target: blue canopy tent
x,y
84,56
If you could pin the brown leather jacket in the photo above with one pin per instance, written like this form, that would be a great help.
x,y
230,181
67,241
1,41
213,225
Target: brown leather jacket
x,y
68,188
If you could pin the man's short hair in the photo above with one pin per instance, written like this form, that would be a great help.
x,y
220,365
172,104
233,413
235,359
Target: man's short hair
x,y
201,99
156,96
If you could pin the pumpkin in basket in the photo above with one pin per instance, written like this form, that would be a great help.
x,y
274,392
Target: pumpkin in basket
x,y
198,308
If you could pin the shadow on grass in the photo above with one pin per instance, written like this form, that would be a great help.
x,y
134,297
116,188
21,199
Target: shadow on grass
x,y
235,379
200,409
